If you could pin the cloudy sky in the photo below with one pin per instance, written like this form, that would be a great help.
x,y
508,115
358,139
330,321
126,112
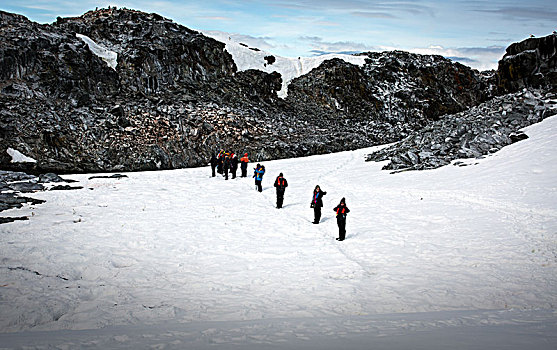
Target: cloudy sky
x,y
474,33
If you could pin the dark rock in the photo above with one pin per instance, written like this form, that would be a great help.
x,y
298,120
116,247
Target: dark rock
x,y
5,220
26,187
518,136
529,63
115,176
11,200
50,177
65,188
117,111
270,59
11,176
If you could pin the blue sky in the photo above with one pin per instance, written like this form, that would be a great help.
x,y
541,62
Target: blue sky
x,y
475,33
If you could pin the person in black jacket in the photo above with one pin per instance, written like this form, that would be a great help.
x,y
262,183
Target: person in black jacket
x,y
317,203
220,160
280,184
341,209
233,164
213,163
226,165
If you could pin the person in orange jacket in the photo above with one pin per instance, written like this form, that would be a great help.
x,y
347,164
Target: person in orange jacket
x,y
244,165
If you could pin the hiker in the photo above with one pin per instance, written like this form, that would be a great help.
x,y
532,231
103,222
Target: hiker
x,y
341,209
233,164
258,175
213,164
226,165
317,203
220,159
244,165
280,184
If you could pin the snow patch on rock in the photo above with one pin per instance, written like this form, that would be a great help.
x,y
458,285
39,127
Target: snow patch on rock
x,y
18,157
289,68
110,57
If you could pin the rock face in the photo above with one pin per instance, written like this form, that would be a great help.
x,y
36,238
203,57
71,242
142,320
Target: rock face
x,y
393,94
68,108
123,90
529,63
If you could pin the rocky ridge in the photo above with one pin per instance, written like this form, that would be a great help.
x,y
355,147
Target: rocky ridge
x,y
393,94
174,96
528,71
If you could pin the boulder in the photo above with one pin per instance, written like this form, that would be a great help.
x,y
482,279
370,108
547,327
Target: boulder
x,y
50,177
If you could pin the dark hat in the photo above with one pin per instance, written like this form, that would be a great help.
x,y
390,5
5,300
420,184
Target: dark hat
x,y
280,174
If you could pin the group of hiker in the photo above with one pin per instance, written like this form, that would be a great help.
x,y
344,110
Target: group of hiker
x,y
228,161
225,162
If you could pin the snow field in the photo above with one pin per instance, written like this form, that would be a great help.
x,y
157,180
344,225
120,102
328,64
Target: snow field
x,y
432,251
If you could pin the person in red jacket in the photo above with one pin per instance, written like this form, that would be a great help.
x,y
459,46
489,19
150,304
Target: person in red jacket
x,y
341,209
280,184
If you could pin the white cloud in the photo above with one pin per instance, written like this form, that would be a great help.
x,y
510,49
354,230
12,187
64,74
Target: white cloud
x,y
481,58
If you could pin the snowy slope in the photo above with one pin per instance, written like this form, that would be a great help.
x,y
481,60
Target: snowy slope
x,y
457,257
289,68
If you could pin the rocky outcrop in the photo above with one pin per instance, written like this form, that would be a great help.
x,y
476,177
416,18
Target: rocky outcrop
x,y
11,185
529,67
69,110
529,63
393,94
154,53
477,132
